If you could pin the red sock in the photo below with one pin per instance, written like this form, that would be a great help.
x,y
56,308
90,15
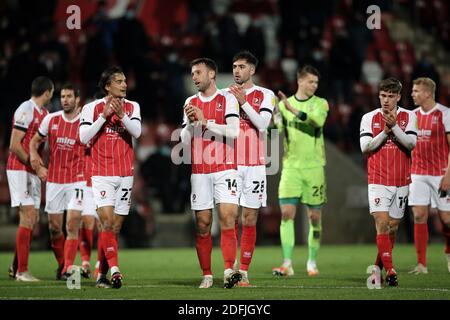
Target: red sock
x,y
86,241
23,240
110,248
392,239
248,241
446,232
378,261
421,241
70,253
58,249
203,244
229,248
385,250
103,263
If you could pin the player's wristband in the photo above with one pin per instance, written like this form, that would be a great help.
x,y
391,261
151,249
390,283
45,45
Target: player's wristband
x,y
301,115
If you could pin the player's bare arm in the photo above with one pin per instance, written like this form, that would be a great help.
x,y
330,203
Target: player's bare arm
x,y
15,146
35,159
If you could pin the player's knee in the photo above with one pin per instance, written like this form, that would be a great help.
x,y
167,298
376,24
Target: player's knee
x,y
287,214
420,218
55,229
203,228
383,227
249,219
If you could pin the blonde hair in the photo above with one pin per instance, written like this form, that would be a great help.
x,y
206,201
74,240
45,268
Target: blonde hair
x,y
428,83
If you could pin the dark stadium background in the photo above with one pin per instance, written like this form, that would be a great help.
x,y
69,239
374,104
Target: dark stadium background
x,y
153,41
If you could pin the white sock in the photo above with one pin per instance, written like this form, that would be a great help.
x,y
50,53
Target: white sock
x,y
287,262
114,269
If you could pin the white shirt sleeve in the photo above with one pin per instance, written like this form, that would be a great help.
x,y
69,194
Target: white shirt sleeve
x,y
23,116
133,123
262,119
187,131
367,141
43,128
88,129
407,138
231,128
446,120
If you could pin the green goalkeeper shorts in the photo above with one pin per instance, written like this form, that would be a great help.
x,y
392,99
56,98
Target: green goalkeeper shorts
x,y
307,185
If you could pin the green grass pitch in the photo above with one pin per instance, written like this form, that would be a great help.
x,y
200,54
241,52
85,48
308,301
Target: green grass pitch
x,y
174,274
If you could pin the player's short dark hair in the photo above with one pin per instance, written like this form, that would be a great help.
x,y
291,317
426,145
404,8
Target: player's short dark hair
x,y
307,69
106,77
391,85
40,85
209,63
247,56
71,86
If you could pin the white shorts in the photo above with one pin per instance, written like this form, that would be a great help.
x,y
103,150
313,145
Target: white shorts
x,y
113,191
24,188
252,186
64,196
208,189
388,198
89,208
424,191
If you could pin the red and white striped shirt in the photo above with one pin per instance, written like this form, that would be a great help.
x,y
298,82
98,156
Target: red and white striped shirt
x,y
112,147
390,164
210,152
250,143
430,156
27,118
66,163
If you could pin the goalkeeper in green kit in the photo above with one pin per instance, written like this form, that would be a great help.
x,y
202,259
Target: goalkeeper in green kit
x,y
301,117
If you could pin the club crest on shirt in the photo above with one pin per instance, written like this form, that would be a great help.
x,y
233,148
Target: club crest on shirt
x,y
403,124
435,120
256,101
55,127
219,107
376,125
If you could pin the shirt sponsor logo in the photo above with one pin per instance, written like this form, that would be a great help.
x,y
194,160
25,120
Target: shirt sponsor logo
x,y
65,140
114,129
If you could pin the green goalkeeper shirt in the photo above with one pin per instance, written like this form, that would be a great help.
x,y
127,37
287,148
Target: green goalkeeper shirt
x,y
304,145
